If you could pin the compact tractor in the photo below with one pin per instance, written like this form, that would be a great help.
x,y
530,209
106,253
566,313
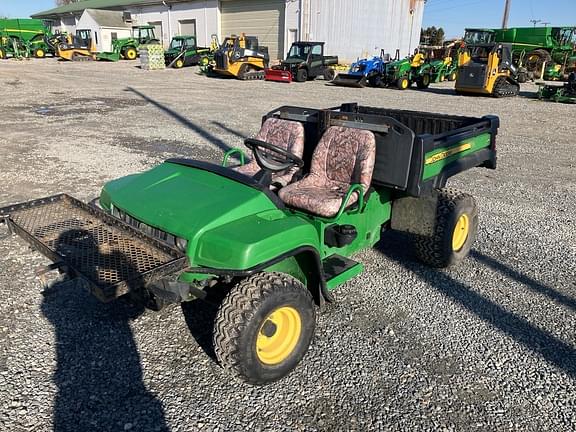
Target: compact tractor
x,y
240,57
305,62
402,73
559,93
275,236
183,52
363,71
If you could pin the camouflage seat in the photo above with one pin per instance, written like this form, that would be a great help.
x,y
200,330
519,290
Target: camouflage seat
x,y
344,156
283,133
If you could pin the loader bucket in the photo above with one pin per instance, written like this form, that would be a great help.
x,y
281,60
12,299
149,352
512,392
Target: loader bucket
x,y
349,80
277,75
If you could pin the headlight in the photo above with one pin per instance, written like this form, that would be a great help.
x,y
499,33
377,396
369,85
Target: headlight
x,y
181,244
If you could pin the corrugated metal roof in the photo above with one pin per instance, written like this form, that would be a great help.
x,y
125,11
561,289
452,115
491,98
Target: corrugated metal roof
x,y
95,4
108,18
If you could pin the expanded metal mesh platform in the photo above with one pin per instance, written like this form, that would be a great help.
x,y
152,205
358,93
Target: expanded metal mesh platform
x,y
111,256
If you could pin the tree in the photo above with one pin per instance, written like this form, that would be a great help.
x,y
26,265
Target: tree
x,y
432,36
65,2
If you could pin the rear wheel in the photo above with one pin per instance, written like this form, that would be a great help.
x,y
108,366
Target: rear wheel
x,y
455,229
130,53
535,60
452,76
403,83
204,61
179,64
329,74
302,75
423,82
264,327
39,53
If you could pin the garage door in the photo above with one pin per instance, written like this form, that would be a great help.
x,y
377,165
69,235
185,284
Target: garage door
x,y
262,18
188,28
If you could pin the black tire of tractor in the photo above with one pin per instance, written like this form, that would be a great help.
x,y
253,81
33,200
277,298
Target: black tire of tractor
x,y
130,53
403,83
375,80
301,75
39,53
178,64
241,318
452,76
423,82
329,74
437,251
535,59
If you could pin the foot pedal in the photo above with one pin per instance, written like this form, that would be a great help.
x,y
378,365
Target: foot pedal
x,y
339,269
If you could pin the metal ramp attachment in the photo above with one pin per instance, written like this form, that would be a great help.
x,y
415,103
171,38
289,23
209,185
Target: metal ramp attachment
x,y
112,257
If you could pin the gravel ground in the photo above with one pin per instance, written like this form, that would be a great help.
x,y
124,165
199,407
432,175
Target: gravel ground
x,y
489,345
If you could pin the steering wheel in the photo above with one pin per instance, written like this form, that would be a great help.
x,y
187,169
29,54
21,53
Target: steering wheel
x,y
271,157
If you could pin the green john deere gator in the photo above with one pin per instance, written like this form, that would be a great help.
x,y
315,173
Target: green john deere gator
x,y
277,235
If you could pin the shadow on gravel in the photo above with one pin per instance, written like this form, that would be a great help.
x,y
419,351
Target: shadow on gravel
x,y
532,284
229,130
439,90
553,350
98,372
184,121
200,317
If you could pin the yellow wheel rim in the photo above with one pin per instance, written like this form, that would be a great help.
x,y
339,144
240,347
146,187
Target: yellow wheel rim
x,y
461,231
404,84
278,335
40,53
426,80
131,54
179,64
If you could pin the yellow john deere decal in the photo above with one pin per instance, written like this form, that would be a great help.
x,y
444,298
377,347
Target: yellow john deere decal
x,y
447,153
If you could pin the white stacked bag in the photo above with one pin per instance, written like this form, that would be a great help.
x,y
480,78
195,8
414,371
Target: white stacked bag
x,y
152,57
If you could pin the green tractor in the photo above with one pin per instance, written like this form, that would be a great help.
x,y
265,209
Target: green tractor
x,y
402,73
273,237
127,48
184,52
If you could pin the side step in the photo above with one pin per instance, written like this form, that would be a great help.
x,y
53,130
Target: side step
x,y
339,269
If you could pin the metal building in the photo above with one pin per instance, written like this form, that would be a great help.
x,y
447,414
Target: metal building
x,y
350,28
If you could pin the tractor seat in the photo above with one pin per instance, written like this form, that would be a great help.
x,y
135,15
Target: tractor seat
x,y
344,156
283,133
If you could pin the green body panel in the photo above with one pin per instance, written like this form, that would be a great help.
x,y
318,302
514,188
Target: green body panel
x,y
24,29
435,161
252,240
344,276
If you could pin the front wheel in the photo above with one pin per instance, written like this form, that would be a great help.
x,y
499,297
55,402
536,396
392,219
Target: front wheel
x,y
178,64
302,75
455,227
2,54
403,83
264,327
130,53
39,53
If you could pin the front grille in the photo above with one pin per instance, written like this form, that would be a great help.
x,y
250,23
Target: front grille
x,y
472,76
145,228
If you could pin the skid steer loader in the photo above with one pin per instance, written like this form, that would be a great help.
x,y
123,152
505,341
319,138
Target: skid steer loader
x,y
240,57
487,69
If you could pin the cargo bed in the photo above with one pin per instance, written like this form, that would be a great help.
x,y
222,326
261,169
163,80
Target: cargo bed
x,y
111,257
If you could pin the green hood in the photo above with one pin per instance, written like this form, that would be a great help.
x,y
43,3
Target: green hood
x,y
183,200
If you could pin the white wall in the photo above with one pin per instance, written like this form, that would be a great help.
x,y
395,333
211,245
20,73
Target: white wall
x,y
104,43
353,29
203,11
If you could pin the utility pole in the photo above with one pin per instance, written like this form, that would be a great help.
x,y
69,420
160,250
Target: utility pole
x,y
506,14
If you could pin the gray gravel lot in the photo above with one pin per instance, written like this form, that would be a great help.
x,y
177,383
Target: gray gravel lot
x,y
489,345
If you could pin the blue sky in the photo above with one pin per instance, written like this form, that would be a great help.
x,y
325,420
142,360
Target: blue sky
x,y
453,15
